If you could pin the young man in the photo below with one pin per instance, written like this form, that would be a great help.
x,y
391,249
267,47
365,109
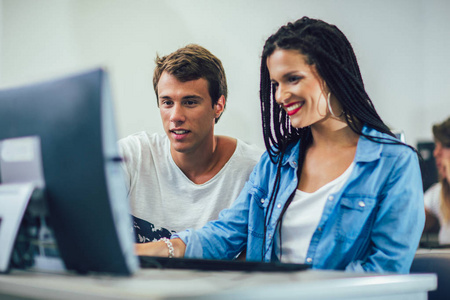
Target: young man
x,y
184,178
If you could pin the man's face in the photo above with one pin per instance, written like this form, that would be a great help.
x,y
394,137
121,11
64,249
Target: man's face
x,y
187,112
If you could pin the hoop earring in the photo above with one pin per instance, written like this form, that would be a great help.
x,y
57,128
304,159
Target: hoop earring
x,y
329,107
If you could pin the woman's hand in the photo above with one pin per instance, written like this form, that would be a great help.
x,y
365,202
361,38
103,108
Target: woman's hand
x,y
160,248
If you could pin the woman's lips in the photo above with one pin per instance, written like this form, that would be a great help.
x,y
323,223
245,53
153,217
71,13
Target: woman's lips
x,y
293,108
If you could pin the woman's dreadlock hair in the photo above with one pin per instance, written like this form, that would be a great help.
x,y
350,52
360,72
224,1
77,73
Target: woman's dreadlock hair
x,y
327,48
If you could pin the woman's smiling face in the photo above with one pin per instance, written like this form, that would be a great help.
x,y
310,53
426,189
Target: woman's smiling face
x,y
299,89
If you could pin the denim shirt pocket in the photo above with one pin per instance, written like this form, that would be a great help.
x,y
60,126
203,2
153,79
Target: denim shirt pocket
x,y
353,214
258,204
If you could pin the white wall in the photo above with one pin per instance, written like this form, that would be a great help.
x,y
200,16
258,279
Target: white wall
x,y
401,46
1,40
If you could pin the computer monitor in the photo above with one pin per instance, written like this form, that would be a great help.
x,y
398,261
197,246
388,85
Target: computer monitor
x,y
84,187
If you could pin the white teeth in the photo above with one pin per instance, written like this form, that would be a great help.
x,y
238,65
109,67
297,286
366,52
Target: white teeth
x,y
295,106
180,131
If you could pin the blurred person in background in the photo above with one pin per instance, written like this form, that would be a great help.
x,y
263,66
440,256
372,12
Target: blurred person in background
x,y
437,197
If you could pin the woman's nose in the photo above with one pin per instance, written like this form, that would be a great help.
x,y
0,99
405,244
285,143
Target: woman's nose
x,y
282,95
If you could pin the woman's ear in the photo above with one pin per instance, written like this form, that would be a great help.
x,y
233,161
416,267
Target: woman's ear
x,y
325,88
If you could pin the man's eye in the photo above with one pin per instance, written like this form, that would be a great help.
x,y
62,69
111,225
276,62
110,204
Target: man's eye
x,y
190,102
166,102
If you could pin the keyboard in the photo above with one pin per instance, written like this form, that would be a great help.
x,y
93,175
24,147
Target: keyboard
x,y
218,265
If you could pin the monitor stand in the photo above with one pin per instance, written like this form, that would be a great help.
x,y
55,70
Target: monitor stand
x,y
27,240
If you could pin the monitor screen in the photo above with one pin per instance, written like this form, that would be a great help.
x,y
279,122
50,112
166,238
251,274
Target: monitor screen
x,y
84,187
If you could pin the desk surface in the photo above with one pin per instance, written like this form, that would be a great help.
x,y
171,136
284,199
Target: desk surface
x,y
186,284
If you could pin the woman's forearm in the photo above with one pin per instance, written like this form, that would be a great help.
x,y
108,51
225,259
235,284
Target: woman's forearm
x,y
160,248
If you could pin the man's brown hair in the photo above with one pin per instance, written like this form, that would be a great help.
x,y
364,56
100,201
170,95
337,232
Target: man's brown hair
x,y
191,63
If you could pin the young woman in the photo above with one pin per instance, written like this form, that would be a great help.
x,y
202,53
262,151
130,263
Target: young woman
x,y
335,188
437,197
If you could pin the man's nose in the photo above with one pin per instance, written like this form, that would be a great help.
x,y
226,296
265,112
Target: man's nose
x,y
177,114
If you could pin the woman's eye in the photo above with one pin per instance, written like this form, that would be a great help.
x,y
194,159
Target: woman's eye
x,y
294,78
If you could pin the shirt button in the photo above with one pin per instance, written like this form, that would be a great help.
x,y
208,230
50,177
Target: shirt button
x,y
279,205
262,200
361,204
331,198
270,236
320,228
309,259
294,163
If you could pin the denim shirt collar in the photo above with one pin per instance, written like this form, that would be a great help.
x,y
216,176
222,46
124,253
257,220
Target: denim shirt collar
x,y
366,150
291,155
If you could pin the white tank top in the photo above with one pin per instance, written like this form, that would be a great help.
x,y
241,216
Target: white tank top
x,y
302,217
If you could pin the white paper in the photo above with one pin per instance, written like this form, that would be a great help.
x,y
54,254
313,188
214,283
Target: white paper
x,y
14,200
18,149
20,161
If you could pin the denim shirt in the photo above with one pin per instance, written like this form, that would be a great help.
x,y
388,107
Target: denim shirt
x,y
373,224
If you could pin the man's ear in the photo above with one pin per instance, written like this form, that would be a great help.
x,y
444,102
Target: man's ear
x,y
219,107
